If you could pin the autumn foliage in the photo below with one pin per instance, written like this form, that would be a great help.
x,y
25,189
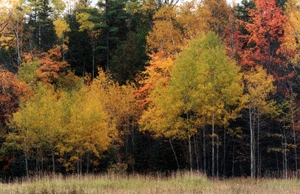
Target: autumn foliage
x,y
201,86
265,30
12,93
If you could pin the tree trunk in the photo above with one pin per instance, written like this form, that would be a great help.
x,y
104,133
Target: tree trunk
x,y
133,146
190,152
295,143
195,137
87,163
213,146
217,157
174,153
26,164
190,144
204,151
232,166
258,147
252,144
26,157
18,45
224,152
285,155
53,161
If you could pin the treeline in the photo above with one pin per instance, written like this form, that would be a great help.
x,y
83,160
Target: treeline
x,y
150,86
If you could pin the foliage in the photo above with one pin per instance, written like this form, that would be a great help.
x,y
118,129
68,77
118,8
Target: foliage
x,y
202,82
170,95
265,28
219,15
46,67
12,92
173,29
290,44
12,33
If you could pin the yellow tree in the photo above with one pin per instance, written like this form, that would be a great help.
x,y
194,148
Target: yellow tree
x,y
38,123
290,43
165,36
175,26
123,109
121,106
34,124
61,27
258,87
172,30
91,129
12,27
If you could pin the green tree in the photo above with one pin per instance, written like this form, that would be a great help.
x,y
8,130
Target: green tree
x,y
204,89
84,18
114,27
40,25
79,53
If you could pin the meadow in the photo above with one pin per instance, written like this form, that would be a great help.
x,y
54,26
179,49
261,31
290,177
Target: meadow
x,y
176,183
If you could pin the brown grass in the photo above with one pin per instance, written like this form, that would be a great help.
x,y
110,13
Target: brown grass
x,y
177,183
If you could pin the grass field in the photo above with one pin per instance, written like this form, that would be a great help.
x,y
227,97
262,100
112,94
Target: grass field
x,y
177,183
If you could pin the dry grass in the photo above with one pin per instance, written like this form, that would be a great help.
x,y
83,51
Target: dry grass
x,y
177,183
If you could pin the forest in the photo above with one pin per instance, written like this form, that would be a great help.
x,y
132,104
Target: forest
x,y
147,86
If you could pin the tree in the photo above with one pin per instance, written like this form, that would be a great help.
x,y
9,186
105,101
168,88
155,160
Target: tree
x,y
12,32
120,104
33,126
173,28
165,36
204,89
40,25
290,44
290,116
171,32
258,87
114,27
242,10
130,56
12,92
235,33
79,54
219,15
61,27
46,67
86,25
90,131
265,28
